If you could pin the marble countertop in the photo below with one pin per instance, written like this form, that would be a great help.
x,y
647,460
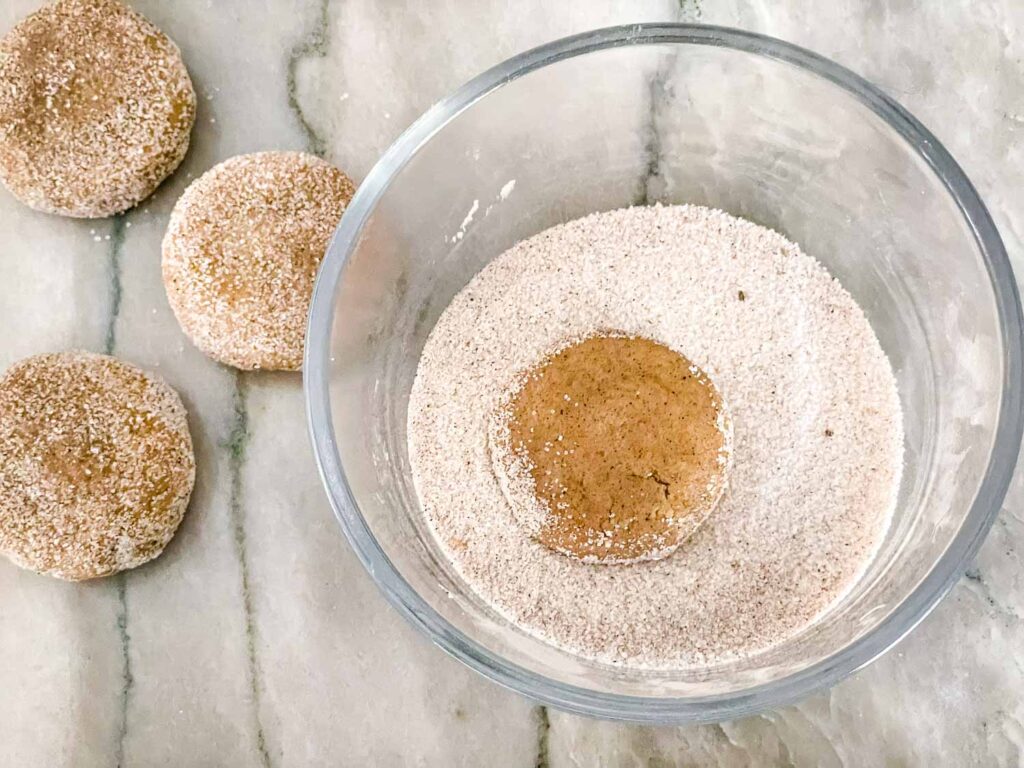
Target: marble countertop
x,y
257,639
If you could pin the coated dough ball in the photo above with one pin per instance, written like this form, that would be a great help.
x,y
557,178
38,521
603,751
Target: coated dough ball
x,y
242,250
96,465
96,107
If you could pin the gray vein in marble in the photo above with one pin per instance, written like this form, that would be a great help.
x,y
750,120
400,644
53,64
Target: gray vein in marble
x,y
237,442
126,667
717,728
314,44
543,737
975,582
116,236
652,145
690,10
651,185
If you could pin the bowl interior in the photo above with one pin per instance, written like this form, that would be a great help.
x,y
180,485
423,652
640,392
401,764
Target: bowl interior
x,y
631,120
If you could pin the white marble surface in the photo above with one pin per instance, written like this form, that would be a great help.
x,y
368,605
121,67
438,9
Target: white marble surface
x,y
257,639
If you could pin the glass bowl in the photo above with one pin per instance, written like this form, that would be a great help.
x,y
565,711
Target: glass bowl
x,y
673,113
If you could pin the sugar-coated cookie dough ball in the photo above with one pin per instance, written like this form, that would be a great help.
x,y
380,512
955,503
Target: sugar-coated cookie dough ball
x,y
96,108
97,465
242,251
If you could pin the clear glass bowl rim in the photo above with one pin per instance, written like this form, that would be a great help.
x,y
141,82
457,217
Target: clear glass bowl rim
x,y
822,674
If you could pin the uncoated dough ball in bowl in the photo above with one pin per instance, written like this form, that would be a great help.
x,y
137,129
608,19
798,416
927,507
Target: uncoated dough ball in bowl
x,y
96,108
97,465
242,251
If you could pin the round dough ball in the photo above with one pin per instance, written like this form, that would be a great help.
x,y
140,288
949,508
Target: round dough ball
x,y
97,465
96,107
242,251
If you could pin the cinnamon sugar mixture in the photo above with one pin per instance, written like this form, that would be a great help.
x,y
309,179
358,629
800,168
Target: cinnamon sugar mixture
x,y
799,421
